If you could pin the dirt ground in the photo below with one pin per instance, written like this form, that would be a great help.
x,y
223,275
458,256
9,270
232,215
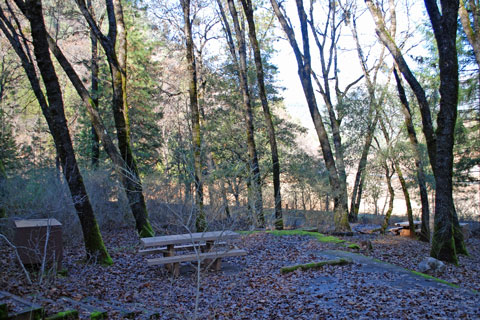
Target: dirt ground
x,y
252,287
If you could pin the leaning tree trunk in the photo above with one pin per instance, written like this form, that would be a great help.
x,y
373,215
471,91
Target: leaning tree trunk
x,y
255,179
304,72
115,47
200,222
425,229
57,123
248,9
357,186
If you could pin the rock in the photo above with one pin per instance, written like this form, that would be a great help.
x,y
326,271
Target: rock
x,y
431,265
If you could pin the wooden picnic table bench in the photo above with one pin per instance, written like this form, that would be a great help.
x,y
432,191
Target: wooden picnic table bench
x,y
209,247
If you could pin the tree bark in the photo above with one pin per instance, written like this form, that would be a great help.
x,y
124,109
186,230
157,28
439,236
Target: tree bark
x,y
95,140
389,42
425,228
248,9
115,47
403,184
447,239
57,123
255,179
304,72
388,175
200,221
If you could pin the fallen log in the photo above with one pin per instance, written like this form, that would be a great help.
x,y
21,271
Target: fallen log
x,y
316,265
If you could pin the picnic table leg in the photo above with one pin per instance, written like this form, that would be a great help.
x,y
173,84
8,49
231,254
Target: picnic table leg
x,y
174,268
217,264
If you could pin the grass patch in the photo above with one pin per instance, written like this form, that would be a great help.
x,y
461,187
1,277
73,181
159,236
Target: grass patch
x,y
319,236
427,276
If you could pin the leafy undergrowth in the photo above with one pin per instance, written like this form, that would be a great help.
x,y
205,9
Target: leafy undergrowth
x,y
252,287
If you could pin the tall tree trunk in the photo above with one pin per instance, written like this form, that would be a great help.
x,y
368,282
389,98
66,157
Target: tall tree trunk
x,y
248,9
255,180
425,228
115,47
362,164
389,172
403,184
95,140
304,72
371,76
57,123
447,239
200,222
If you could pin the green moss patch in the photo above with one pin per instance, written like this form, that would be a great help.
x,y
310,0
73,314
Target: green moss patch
x,y
426,276
320,237
315,265
98,315
69,314
353,246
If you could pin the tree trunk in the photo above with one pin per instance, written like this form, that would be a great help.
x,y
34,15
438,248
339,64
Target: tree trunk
x,y
95,140
357,186
57,123
248,9
388,175
408,203
304,72
425,229
447,239
255,181
200,222
116,40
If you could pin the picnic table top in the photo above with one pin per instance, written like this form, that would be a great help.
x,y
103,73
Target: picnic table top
x,y
406,224
188,238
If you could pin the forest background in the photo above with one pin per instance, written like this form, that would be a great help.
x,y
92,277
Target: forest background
x,y
173,118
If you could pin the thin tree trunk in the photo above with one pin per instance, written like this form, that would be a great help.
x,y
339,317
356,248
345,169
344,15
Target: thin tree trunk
x,y
357,186
304,71
248,9
57,123
255,185
95,140
116,40
425,228
200,222
388,175
403,184
226,207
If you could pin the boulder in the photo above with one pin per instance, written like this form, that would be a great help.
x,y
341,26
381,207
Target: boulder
x,y
431,265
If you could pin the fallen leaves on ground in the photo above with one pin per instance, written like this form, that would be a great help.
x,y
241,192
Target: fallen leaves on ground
x,y
252,287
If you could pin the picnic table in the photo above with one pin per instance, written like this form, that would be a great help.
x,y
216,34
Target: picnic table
x,y
403,228
208,247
